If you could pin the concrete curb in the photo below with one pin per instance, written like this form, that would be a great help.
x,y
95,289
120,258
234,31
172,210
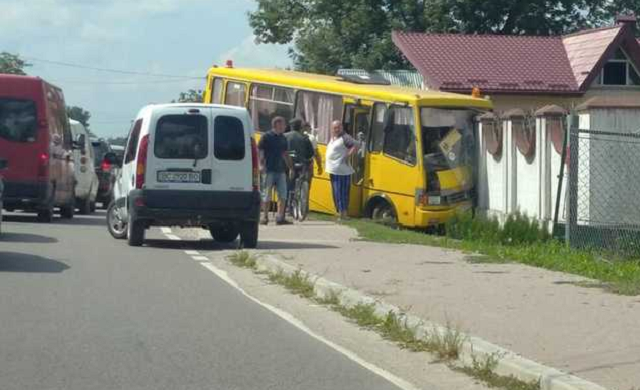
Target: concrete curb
x,y
509,362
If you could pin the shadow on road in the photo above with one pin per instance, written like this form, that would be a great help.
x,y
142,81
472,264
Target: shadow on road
x,y
186,245
79,220
26,237
21,262
274,245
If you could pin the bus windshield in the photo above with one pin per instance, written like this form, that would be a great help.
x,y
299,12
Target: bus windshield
x,y
447,137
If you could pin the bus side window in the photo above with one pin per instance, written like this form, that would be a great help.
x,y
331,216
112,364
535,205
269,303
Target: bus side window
x,y
236,93
216,91
377,129
319,110
399,139
267,102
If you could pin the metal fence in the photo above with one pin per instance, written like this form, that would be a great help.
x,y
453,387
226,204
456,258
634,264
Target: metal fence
x,y
603,193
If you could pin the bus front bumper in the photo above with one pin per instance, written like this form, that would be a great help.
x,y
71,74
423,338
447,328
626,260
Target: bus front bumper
x,y
433,217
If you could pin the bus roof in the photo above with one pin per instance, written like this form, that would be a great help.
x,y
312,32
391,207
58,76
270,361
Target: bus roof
x,y
333,84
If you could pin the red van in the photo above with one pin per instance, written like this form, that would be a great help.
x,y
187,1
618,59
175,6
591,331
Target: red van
x,y
35,139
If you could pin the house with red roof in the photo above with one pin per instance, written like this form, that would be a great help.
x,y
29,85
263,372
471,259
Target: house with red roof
x,y
528,72
534,82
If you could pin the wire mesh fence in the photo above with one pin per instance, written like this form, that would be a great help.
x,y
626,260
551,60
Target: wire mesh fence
x,y
603,208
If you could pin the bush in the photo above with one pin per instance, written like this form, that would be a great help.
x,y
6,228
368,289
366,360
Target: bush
x,y
517,229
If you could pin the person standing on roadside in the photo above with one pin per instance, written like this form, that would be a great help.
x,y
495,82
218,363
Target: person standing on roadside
x,y
341,147
274,161
314,144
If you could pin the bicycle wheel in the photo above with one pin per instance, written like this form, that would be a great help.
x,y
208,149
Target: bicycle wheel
x,y
303,200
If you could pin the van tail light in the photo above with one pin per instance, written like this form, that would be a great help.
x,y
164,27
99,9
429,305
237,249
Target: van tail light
x,y
141,167
43,165
254,165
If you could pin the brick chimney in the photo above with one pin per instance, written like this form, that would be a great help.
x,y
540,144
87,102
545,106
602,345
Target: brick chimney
x,y
629,20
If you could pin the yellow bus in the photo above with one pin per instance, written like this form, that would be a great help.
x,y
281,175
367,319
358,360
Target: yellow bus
x,y
415,164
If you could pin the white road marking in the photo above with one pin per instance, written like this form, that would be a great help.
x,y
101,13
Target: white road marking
x,y
200,258
401,383
192,253
165,230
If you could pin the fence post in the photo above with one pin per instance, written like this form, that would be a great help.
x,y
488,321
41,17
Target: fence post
x,y
572,217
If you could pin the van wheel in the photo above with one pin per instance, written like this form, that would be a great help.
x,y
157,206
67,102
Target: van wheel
x,y
249,235
85,206
135,232
93,207
383,213
224,233
116,225
45,215
68,211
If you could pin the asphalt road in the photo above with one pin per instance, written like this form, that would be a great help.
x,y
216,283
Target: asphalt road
x,y
80,310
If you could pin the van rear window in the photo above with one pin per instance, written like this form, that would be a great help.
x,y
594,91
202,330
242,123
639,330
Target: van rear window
x,y
228,138
18,120
181,137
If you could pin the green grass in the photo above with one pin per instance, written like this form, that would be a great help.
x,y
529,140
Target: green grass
x,y
298,283
520,241
243,259
484,371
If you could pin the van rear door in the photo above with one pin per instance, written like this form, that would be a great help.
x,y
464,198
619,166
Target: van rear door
x,y
20,142
180,149
199,148
232,170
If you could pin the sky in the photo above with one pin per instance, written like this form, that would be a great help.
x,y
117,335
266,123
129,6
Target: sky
x,y
162,37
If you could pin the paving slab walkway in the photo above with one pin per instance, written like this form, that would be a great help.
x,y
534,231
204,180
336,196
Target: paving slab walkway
x,y
540,314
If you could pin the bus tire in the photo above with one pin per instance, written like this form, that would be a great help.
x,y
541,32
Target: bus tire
x,y
383,212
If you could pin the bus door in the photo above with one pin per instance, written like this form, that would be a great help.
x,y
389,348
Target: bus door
x,y
356,123
392,170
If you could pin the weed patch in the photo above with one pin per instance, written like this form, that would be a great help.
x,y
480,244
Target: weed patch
x,y
298,283
484,371
243,259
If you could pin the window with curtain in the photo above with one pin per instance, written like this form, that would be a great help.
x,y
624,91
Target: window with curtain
x,y
399,139
377,128
235,94
216,91
266,102
319,110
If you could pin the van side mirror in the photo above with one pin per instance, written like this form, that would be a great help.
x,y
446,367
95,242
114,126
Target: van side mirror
x,y
112,159
80,142
3,164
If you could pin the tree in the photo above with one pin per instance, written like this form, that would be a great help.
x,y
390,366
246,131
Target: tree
x,y
12,64
328,34
81,115
191,96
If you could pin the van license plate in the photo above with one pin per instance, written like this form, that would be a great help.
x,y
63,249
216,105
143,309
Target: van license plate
x,y
178,177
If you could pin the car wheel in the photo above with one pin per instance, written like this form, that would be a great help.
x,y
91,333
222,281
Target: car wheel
x,y
116,225
45,215
85,206
68,211
224,233
93,207
135,232
249,235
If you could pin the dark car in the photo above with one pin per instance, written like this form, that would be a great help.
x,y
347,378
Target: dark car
x,y
105,171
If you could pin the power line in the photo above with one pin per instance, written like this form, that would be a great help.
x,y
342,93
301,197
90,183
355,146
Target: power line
x,y
68,64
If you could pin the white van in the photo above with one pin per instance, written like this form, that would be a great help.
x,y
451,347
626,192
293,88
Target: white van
x,y
86,188
188,165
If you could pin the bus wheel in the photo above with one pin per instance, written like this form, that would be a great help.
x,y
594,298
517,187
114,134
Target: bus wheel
x,y
383,213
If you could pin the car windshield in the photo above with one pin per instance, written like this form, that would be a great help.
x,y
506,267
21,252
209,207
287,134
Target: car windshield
x,y
18,120
99,150
447,137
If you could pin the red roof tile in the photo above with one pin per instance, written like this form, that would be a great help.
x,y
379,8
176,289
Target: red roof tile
x,y
502,63
585,49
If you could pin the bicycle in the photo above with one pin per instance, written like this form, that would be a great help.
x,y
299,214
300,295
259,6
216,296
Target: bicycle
x,y
298,200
